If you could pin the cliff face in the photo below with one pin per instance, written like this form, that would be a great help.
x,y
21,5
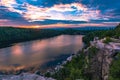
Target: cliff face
x,y
99,58
99,64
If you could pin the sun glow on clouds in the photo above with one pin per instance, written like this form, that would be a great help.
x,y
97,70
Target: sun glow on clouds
x,y
7,3
73,11
60,25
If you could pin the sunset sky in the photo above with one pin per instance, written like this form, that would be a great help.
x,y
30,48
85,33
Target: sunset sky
x,y
59,13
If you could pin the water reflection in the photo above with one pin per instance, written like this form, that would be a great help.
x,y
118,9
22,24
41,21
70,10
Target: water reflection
x,y
38,52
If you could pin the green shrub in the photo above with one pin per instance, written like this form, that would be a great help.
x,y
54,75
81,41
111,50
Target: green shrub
x,y
107,40
115,69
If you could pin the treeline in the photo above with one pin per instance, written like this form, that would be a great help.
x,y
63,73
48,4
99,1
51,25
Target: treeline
x,y
72,31
9,35
101,34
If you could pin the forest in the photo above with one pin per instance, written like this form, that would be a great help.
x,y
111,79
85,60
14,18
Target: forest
x,y
10,35
115,33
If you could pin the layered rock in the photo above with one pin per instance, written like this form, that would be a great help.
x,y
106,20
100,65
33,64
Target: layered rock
x,y
99,63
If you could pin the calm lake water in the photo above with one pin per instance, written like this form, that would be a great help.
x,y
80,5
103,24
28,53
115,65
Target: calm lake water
x,y
45,53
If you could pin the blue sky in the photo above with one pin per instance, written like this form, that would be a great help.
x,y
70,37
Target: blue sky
x,y
59,13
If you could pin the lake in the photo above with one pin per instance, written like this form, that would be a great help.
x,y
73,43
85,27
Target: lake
x,y
41,54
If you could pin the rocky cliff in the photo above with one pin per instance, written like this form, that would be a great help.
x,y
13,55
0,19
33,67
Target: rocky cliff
x,y
99,58
93,63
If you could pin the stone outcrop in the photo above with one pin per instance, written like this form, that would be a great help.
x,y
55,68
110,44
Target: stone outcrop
x,y
99,64
24,76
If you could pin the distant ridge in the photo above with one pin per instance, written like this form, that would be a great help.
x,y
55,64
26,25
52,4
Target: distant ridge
x,y
85,28
63,28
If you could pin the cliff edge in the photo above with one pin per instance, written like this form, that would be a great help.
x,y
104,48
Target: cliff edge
x,y
101,57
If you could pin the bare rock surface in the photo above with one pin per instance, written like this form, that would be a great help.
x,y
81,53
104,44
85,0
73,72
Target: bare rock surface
x,y
24,76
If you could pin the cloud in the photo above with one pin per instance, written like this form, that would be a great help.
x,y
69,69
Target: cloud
x,y
73,11
68,7
7,3
50,12
56,23
61,25
2,21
